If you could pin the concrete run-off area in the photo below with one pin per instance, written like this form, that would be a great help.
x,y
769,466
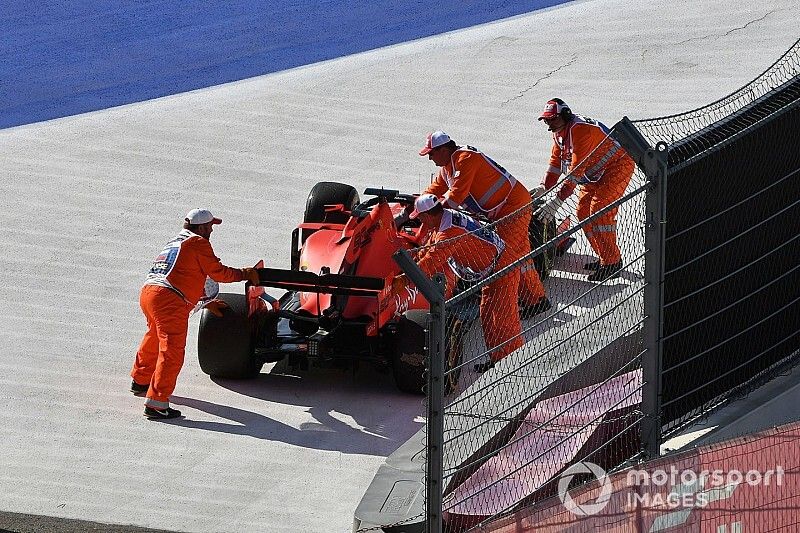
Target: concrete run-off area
x,y
88,200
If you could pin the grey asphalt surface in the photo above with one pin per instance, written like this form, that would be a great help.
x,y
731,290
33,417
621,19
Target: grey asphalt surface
x,y
27,523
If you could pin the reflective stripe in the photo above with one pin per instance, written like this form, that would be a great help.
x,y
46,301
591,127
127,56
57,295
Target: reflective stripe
x,y
590,173
606,229
477,205
149,402
492,213
472,205
450,203
484,233
564,142
553,170
492,190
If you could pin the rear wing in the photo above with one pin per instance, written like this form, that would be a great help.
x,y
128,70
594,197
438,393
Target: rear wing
x,y
296,280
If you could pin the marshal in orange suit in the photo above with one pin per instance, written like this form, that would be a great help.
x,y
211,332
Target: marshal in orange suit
x,y
173,286
470,180
591,158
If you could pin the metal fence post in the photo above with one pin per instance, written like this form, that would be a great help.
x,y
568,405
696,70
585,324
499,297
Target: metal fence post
x,y
433,290
435,351
654,240
654,164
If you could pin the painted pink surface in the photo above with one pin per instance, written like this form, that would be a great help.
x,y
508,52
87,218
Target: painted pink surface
x,y
767,506
544,444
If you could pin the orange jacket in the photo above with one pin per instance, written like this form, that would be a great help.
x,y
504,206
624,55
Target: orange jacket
x,y
471,257
474,182
184,263
584,150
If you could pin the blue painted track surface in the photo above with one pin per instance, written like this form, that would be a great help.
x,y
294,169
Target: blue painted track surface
x,y
61,58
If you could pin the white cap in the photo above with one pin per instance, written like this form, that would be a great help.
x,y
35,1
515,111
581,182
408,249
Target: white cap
x,y
423,203
201,216
434,140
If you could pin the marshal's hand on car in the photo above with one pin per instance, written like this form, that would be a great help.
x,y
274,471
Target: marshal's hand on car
x,y
215,307
399,283
251,274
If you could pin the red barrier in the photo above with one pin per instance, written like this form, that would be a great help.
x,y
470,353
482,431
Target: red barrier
x,y
746,484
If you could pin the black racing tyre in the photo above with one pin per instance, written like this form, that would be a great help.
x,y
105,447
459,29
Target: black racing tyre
x,y
456,330
225,345
328,193
539,233
409,361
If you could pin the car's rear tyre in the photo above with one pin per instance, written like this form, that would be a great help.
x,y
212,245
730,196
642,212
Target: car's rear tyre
x,y
539,233
225,345
409,361
454,353
328,193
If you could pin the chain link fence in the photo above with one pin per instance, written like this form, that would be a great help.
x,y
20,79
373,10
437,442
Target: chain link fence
x,y
702,309
731,254
530,384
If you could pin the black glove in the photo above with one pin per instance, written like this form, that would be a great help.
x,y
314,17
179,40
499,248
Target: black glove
x,y
403,217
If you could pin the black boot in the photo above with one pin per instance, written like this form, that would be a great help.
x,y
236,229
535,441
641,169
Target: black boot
x,y
153,413
480,368
139,390
594,265
541,306
606,272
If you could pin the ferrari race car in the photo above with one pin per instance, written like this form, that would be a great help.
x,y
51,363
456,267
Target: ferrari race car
x,y
339,302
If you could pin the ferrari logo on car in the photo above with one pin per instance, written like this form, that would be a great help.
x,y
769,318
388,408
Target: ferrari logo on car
x,y
404,301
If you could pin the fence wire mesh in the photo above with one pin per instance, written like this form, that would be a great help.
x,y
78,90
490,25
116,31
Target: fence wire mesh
x,y
732,261
695,131
749,483
534,383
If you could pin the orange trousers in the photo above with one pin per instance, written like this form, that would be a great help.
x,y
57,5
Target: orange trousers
x,y
161,352
514,233
499,311
500,320
602,232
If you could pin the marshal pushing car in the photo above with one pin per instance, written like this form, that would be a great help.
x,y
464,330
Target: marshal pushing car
x,y
339,302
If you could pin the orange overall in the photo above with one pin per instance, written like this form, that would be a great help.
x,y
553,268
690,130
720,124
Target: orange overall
x,y
479,254
173,286
595,161
474,182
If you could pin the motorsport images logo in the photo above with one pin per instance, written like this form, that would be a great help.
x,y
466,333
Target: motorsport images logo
x,y
588,508
686,489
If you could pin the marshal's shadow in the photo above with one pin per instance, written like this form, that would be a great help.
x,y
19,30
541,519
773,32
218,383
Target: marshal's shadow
x,y
352,411
574,299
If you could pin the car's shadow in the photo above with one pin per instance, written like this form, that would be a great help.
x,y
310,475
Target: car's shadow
x,y
359,410
352,411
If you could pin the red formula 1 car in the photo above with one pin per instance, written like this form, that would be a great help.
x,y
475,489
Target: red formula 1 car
x,y
339,302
